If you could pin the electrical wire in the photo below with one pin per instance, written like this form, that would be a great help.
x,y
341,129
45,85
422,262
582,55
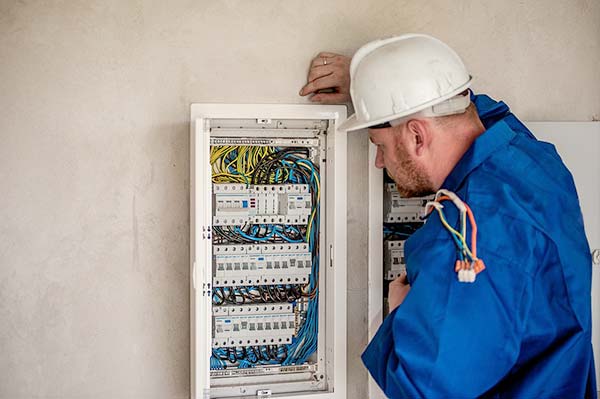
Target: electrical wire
x,y
271,165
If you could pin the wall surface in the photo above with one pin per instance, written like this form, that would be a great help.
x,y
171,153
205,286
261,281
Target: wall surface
x,y
94,157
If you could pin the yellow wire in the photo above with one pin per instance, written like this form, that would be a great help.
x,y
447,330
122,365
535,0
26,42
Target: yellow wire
x,y
244,163
462,238
317,196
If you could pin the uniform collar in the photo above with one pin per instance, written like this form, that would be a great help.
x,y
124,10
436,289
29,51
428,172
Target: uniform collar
x,y
491,141
490,111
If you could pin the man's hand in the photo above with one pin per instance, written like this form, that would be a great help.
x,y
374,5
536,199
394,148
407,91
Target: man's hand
x,y
331,72
398,290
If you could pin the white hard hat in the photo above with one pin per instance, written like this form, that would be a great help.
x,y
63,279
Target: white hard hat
x,y
400,76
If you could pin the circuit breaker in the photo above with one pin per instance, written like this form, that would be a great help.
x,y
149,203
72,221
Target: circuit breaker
x,y
401,210
393,259
268,314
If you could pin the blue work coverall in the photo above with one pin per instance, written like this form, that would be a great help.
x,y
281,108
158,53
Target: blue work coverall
x,y
523,328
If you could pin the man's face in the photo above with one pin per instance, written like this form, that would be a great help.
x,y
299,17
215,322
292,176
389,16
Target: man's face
x,y
392,154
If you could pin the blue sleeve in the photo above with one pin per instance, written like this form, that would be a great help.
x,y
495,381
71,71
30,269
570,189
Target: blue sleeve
x,y
451,339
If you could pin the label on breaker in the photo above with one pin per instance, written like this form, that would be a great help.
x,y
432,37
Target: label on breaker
x,y
261,264
394,261
236,204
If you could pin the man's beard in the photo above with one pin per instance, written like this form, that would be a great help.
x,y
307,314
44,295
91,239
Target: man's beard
x,y
410,177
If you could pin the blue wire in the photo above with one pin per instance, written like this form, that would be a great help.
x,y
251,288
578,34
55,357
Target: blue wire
x,y
305,343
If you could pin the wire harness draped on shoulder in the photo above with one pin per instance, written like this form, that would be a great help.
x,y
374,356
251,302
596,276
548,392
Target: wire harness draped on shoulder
x,y
468,265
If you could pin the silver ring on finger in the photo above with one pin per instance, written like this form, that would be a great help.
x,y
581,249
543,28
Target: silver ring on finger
x,y
324,61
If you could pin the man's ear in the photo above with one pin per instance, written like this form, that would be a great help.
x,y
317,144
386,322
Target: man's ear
x,y
418,136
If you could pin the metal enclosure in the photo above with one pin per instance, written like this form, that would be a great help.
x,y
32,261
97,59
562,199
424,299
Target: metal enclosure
x,y
253,350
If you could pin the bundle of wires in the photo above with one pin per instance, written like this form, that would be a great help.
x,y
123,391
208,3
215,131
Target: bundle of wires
x,y
247,356
256,294
271,165
249,234
399,231
468,265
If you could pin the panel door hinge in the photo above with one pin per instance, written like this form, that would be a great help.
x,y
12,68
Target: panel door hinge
x,y
194,275
330,255
206,289
206,232
596,257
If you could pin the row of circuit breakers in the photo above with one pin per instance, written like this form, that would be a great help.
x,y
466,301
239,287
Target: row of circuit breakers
x,y
236,204
402,216
259,264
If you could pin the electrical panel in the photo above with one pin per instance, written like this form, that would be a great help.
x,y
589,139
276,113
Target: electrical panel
x,y
401,218
268,253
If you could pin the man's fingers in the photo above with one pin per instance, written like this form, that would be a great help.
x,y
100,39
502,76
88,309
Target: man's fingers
x,y
327,54
329,98
321,62
320,72
324,82
328,71
400,281
324,58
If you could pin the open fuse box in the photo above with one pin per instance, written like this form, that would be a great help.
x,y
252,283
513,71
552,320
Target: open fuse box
x,y
268,310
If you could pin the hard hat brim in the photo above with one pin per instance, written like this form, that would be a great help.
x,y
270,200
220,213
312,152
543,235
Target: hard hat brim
x,y
352,123
349,124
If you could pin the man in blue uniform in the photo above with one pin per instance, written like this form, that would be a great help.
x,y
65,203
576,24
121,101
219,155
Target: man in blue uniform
x,y
521,327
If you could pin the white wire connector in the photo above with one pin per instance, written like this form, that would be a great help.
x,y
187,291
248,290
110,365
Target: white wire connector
x,y
467,275
457,201
429,207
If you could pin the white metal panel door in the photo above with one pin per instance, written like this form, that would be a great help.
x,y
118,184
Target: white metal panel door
x,y
578,143
375,262
200,255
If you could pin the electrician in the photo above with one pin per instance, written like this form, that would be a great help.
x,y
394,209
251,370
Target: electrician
x,y
521,326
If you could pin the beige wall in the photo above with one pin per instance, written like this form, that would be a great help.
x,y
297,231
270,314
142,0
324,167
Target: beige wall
x,y
94,99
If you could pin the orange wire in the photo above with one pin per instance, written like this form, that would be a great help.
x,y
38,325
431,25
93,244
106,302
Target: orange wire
x,y
473,231
473,225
